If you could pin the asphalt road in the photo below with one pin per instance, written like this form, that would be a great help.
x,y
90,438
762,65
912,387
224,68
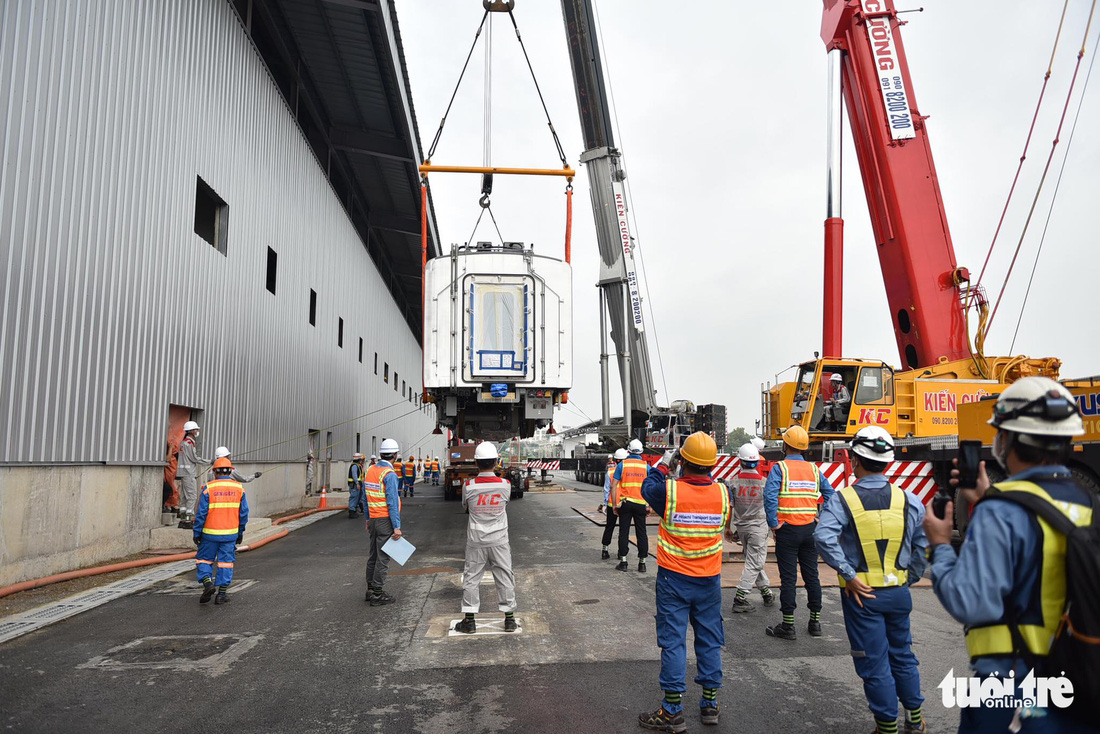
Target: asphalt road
x,y
298,650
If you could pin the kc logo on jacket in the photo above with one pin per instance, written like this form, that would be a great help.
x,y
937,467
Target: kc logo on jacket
x,y
489,499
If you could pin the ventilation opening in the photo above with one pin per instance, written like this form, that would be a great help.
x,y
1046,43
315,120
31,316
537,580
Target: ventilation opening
x,y
385,372
312,307
360,350
272,269
376,363
911,356
211,216
903,321
340,333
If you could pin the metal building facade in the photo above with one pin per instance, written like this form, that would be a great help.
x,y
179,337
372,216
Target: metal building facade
x,y
114,308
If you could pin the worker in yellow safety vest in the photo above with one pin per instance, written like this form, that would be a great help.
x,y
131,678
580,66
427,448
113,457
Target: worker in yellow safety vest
x,y
383,487
694,510
627,503
409,476
871,534
791,497
1009,583
435,471
219,527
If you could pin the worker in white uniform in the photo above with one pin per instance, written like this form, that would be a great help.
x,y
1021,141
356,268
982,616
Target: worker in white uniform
x,y
485,497
223,453
187,472
747,515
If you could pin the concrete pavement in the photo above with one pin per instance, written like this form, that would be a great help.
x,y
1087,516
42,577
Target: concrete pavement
x,y
299,650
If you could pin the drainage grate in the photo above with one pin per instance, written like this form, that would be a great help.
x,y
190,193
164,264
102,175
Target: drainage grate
x,y
54,611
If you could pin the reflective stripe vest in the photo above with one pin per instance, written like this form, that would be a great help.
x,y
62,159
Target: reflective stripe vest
x,y
399,468
635,470
798,494
434,466
376,491
1038,623
689,539
881,535
410,468
224,502
355,474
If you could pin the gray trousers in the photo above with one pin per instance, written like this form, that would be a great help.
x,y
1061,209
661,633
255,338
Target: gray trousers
x,y
189,493
499,559
378,565
754,539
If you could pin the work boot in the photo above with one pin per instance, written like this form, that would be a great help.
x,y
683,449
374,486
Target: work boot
x,y
641,566
221,598
466,625
921,728
604,555
709,715
814,628
380,598
186,525
509,624
742,605
769,598
782,631
351,514
622,565
661,720
207,591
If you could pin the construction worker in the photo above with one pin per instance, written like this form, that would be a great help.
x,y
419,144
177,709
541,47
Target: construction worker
x,y
218,530
485,497
311,468
694,511
613,461
837,406
410,476
223,453
871,534
357,500
373,460
627,503
1007,585
764,466
383,488
420,470
187,472
747,514
435,471
791,496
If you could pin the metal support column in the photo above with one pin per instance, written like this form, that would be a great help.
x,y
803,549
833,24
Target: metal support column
x,y
605,398
628,323
833,290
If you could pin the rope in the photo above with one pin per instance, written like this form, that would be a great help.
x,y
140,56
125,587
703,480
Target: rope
x,y
549,122
1046,168
1023,156
443,120
1057,186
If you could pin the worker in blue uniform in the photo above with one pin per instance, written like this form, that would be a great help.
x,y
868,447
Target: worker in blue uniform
x,y
871,534
219,528
1007,583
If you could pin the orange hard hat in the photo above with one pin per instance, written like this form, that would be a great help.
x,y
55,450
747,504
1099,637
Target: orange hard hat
x,y
700,449
797,438
223,463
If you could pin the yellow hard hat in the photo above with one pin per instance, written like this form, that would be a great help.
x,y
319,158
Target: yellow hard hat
x,y
700,449
797,438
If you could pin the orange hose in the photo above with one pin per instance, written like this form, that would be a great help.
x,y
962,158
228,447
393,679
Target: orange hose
x,y
568,224
263,541
315,510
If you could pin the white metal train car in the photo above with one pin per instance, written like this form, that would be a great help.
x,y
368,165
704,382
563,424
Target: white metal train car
x,y
498,339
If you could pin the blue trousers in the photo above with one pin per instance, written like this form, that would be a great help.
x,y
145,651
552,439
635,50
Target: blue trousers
x,y
882,650
682,599
216,552
435,477
357,499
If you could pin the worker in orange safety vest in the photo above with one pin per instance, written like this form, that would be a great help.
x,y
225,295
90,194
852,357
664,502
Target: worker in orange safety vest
x,y
219,528
627,503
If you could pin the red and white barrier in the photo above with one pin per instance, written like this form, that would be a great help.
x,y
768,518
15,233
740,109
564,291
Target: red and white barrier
x,y
547,464
911,476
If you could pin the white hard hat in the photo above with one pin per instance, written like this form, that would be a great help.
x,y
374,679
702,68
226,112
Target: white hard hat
x,y
221,452
758,443
874,443
1038,406
635,446
748,452
485,450
373,457
836,377
611,456
389,446
620,454
356,456
190,426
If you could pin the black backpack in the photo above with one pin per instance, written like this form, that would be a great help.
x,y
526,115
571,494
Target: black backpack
x,y
1076,646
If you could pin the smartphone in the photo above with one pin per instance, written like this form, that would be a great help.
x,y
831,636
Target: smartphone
x,y
970,457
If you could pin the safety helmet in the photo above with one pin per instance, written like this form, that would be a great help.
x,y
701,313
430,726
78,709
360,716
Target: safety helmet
x,y
190,426
748,452
797,438
223,463
1037,406
635,446
620,454
356,456
874,443
389,447
485,450
836,377
610,457
220,452
373,457
758,443
700,449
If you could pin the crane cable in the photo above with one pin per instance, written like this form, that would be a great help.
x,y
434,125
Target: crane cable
x,y
443,120
549,122
1046,168
1057,186
1027,144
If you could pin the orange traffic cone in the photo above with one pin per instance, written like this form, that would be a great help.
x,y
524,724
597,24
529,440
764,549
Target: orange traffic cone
x,y
324,499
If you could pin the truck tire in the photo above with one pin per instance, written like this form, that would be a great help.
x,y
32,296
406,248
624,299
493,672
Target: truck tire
x,y
1085,478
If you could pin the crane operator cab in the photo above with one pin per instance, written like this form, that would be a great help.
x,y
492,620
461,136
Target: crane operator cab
x,y
832,399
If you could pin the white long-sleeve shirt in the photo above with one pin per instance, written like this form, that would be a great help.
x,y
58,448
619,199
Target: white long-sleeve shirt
x,y
486,498
189,459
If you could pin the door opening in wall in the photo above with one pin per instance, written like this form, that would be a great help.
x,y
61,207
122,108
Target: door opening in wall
x,y
311,461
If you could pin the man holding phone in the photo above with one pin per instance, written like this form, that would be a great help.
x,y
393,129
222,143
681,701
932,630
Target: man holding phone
x,y
871,534
1007,584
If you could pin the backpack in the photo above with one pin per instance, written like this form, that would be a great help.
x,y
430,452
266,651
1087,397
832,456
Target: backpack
x,y
1076,646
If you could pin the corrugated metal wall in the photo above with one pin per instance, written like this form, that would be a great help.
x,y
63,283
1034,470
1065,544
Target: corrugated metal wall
x,y
113,307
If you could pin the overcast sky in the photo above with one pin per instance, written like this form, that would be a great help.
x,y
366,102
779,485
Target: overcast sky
x,y
721,115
